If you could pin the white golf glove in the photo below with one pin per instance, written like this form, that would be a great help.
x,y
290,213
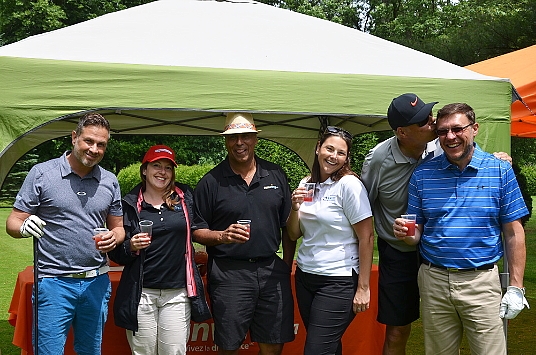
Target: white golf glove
x,y
513,302
32,227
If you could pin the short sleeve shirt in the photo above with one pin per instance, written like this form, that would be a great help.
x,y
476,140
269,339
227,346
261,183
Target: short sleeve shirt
x,y
329,245
223,197
462,211
71,206
386,173
164,265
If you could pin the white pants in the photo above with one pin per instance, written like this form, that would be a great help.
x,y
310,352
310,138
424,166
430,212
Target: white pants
x,y
163,323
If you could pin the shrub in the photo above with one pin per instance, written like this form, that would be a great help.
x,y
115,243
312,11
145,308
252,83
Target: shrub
x,y
290,162
129,177
526,178
529,172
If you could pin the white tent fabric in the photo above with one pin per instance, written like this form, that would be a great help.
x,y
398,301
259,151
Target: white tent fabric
x,y
238,34
176,66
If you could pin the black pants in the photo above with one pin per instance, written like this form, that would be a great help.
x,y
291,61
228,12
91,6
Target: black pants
x,y
325,304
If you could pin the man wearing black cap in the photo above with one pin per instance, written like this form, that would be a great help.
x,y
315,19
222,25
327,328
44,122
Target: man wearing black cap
x,y
386,173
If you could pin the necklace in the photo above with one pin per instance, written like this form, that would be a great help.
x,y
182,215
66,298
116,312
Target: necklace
x,y
250,173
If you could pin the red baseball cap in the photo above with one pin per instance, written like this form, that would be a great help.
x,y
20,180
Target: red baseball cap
x,y
159,152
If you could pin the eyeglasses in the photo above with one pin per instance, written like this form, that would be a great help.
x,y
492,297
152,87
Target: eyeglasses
x,y
455,130
337,130
423,122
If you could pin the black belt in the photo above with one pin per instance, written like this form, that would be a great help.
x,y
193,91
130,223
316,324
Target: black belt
x,y
481,267
255,260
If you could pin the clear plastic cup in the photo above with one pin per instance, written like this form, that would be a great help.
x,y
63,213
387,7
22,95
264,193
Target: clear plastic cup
x,y
146,227
98,232
409,223
245,222
310,188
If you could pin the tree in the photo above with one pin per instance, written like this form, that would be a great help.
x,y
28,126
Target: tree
x,y
23,18
344,12
461,32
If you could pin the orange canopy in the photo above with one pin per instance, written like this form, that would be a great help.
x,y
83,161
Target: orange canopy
x,y
520,67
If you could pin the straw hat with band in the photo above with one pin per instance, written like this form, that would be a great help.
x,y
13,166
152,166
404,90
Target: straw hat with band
x,y
239,122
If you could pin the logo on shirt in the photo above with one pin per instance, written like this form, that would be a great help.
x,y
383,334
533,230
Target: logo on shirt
x,y
271,187
329,198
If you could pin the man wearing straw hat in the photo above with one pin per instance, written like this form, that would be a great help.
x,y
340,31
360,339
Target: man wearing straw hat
x,y
248,284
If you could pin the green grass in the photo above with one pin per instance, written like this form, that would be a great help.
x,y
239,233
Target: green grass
x,y
16,254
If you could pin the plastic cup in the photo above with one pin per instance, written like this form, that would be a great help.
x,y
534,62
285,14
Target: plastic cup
x,y
98,232
146,227
310,188
245,222
409,223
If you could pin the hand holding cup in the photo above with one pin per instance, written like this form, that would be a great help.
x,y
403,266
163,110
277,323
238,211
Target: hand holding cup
x,y
99,235
404,229
246,225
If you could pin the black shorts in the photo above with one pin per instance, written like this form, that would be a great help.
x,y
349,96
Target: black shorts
x,y
398,292
254,296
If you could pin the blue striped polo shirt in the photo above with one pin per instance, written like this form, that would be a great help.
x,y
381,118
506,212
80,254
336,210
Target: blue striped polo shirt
x,y
462,211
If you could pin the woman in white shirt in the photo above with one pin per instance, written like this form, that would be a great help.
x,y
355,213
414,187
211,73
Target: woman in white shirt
x,y
335,257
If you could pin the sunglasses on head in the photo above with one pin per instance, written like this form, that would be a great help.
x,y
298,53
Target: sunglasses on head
x,y
455,130
337,130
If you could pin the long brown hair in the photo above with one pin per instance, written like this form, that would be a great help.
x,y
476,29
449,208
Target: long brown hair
x,y
333,131
170,200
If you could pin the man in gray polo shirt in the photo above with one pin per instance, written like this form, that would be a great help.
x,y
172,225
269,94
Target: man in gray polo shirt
x,y
386,173
60,203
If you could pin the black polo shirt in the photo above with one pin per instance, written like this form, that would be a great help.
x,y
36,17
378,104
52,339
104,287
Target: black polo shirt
x,y
223,197
165,265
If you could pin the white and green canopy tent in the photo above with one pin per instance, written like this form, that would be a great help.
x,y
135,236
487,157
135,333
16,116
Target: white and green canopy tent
x,y
176,66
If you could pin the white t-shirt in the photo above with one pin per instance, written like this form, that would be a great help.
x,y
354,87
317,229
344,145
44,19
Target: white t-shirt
x,y
330,246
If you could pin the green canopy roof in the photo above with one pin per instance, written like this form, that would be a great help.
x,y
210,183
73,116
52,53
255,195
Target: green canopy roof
x,y
176,66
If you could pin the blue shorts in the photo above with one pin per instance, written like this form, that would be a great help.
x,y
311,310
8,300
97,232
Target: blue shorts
x,y
251,295
65,301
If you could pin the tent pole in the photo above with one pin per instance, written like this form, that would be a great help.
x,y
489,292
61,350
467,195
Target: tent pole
x,y
505,281
35,294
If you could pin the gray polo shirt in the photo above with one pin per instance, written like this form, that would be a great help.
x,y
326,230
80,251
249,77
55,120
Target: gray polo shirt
x,y
71,207
386,173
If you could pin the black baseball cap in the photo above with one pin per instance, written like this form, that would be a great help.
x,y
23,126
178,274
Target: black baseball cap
x,y
407,109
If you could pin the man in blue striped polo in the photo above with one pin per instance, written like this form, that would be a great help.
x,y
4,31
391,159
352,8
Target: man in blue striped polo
x,y
463,199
